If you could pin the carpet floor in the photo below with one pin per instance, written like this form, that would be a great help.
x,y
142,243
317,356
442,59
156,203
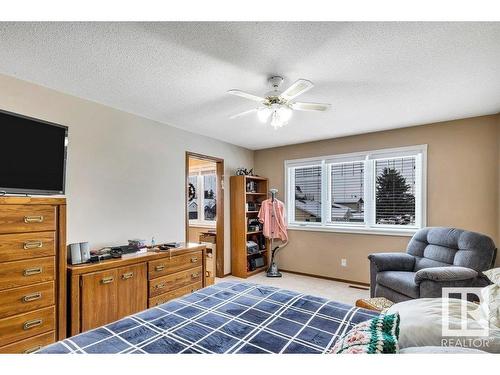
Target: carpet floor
x,y
334,290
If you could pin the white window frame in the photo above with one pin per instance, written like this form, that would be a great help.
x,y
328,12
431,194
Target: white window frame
x,y
368,158
199,173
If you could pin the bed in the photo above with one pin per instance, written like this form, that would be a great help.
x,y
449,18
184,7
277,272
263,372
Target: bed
x,y
229,317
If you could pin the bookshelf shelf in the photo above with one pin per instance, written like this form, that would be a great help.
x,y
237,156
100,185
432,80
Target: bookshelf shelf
x,y
255,271
254,232
257,253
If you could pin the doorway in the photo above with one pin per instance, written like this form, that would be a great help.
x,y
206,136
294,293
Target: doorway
x,y
205,206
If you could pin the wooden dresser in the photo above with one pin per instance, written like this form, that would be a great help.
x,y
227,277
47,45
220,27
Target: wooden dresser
x,y
32,259
103,292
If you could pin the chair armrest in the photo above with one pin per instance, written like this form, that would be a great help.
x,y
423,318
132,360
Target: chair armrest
x,y
451,273
392,261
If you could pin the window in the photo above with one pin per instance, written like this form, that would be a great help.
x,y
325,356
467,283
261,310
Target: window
x,y
209,188
347,192
371,192
193,198
395,191
308,194
202,200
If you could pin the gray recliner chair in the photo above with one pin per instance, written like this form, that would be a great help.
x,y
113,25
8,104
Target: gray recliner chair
x,y
435,258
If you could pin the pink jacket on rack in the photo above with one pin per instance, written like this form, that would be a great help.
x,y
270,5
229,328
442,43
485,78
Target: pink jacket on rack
x,y
274,226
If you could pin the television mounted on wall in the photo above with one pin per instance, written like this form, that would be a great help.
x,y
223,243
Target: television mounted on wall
x,y
32,155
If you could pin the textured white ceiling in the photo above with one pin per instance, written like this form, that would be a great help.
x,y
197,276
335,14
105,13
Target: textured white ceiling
x,y
376,75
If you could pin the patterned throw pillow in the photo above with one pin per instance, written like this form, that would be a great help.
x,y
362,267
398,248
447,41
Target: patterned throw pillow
x,y
493,275
375,336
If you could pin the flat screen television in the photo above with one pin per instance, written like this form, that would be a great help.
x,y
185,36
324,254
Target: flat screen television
x,y
32,155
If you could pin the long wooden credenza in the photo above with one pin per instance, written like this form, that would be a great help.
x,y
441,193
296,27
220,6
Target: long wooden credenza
x,y
103,292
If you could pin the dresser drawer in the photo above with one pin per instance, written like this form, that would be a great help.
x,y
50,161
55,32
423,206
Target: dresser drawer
x,y
26,298
26,325
180,279
177,263
26,272
27,218
30,345
26,246
165,297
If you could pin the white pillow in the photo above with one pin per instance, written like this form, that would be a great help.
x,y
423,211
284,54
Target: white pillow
x,y
421,325
491,311
493,275
490,305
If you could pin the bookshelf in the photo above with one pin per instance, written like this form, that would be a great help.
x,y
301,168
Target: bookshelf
x,y
240,215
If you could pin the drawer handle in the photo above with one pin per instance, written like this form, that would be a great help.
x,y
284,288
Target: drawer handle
x,y
32,350
194,275
33,219
107,280
160,267
127,275
32,297
32,271
194,259
32,324
160,286
32,245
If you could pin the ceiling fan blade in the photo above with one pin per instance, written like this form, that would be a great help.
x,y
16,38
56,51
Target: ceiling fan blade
x,y
246,95
301,106
243,113
299,87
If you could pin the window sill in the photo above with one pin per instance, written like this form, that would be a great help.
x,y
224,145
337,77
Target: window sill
x,y
202,225
407,232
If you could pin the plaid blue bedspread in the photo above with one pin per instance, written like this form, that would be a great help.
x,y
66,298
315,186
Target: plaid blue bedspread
x,y
228,317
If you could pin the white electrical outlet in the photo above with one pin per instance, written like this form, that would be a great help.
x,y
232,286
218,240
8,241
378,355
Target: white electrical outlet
x,y
343,262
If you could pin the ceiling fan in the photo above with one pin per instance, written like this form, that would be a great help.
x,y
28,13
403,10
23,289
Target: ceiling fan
x,y
279,106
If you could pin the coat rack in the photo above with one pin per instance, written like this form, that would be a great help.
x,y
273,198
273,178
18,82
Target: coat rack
x,y
272,271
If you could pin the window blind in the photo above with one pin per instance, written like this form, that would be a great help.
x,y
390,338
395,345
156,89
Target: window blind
x,y
307,194
347,192
395,191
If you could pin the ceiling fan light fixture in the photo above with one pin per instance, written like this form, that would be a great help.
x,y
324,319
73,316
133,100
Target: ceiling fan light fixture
x,y
277,107
281,114
285,113
275,121
263,114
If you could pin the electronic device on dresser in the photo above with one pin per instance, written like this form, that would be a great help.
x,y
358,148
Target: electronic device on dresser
x,y
32,273
79,252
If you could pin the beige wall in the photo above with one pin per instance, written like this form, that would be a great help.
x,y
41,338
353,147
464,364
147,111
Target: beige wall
x,y
125,173
462,191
